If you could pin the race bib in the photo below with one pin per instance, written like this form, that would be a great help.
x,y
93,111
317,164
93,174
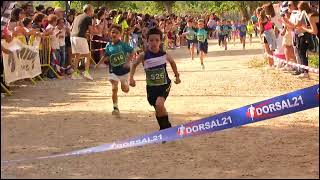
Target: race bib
x,y
201,37
156,77
117,59
243,29
190,36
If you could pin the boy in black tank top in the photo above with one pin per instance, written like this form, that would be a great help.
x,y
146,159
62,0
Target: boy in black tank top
x,y
158,82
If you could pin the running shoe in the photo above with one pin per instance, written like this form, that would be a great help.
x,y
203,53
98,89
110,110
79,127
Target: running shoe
x,y
87,75
116,111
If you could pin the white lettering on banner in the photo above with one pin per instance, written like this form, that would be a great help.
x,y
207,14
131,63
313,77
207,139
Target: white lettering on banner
x,y
137,142
260,111
23,61
182,130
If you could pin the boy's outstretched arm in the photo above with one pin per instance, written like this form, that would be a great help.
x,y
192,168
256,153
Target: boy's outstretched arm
x,y
174,68
134,65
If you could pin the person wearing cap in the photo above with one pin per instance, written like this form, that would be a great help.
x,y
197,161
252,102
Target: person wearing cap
x,y
79,44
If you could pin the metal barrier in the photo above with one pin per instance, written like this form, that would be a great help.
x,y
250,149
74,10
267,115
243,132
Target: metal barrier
x,y
45,55
310,69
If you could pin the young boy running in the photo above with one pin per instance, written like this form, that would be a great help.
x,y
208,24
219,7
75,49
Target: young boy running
x,y
119,64
190,32
158,82
250,31
242,33
224,33
202,37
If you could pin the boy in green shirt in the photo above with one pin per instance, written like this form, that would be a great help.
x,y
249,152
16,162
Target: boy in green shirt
x,y
202,38
119,54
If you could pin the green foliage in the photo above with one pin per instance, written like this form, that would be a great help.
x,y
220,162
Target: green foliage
x,y
149,7
314,60
256,62
161,7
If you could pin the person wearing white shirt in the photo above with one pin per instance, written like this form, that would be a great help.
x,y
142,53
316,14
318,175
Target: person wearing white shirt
x,y
61,27
55,58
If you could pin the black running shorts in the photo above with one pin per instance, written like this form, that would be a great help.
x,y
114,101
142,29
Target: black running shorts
x,y
153,92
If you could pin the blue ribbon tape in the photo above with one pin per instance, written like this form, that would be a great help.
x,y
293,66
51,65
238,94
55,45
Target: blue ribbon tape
x,y
296,101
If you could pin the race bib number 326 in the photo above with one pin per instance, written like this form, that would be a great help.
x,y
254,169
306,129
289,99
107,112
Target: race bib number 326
x,y
156,77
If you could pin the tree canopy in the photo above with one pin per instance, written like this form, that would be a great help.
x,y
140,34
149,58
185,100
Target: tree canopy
x,y
222,8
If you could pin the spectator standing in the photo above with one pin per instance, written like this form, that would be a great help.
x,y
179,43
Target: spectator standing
x,y
79,43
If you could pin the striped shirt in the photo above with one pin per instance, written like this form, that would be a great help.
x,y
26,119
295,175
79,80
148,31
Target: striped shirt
x,y
155,63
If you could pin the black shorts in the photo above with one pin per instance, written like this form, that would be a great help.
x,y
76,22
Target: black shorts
x,y
191,42
67,41
153,92
203,46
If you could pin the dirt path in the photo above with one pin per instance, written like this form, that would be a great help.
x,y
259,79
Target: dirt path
x,y
63,115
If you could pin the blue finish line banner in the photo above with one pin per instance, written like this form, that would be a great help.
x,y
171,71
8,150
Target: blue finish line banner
x,y
296,101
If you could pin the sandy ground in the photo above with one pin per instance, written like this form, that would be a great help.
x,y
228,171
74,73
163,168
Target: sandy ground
x,y
58,116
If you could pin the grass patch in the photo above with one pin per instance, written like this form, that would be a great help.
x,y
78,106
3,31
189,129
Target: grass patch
x,y
314,60
256,62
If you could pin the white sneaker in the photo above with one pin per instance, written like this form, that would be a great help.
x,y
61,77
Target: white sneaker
x,y
87,75
303,75
115,111
202,66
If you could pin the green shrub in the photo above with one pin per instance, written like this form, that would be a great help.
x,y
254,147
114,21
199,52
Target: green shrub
x,y
314,60
256,62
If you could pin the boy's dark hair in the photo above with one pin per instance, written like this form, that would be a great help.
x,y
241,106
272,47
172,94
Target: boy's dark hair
x,y
15,14
117,27
49,9
155,31
38,17
72,11
26,21
40,7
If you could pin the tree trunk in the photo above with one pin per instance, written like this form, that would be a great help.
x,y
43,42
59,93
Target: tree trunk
x,y
243,10
168,6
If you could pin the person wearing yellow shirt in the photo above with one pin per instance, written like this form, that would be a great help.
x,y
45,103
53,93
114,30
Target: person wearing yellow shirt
x,y
250,30
124,25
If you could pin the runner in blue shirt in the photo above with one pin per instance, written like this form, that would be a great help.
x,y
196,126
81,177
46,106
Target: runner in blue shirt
x,y
243,32
119,54
202,38
190,33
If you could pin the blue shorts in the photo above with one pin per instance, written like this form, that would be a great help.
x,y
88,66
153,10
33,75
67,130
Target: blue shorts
x,y
191,42
242,35
203,46
212,28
